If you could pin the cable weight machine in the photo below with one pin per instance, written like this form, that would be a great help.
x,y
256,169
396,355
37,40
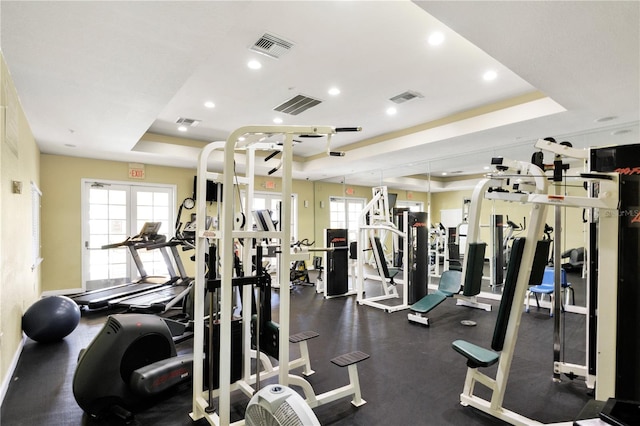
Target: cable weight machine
x,y
247,140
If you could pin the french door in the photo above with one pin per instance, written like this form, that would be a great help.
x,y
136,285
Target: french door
x,y
344,213
112,212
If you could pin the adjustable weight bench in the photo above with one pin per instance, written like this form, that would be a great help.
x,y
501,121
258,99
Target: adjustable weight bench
x,y
450,285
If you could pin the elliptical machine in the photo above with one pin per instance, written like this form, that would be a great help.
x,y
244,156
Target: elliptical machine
x,y
132,359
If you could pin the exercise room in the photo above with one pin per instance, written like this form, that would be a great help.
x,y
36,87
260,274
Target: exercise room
x,y
300,213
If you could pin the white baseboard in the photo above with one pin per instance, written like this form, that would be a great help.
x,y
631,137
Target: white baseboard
x,y
6,380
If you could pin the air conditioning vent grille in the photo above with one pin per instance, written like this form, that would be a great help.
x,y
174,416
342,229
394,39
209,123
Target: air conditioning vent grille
x,y
190,122
297,105
406,96
271,45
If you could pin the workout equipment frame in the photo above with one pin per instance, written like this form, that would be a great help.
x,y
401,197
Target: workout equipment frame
x,y
533,177
377,211
252,138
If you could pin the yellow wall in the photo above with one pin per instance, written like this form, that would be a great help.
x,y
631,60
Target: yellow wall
x,y
19,284
62,222
61,208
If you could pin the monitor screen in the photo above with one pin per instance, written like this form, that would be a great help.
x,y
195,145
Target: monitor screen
x,y
212,190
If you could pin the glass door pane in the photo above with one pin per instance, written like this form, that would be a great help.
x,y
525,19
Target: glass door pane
x,y
107,224
113,212
152,205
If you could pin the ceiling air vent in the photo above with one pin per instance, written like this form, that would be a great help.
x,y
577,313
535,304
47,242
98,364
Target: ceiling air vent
x,y
189,122
271,45
406,96
297,104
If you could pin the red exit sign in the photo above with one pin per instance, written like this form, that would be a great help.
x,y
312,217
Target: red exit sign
x,y
136,171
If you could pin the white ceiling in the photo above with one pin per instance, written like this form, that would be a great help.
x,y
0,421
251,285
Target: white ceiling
x,y
108,79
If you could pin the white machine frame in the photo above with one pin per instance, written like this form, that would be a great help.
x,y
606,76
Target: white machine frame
x,y
253,137
539,200
380,220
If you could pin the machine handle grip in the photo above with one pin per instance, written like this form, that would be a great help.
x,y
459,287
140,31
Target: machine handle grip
x,y
270,156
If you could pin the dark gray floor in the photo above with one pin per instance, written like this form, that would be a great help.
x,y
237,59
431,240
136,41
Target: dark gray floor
x,y
413,376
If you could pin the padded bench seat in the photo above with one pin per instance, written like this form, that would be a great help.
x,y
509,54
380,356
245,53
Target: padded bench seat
x,y
429,302
476,356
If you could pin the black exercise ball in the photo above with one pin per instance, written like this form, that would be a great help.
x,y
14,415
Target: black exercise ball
x,y
51,319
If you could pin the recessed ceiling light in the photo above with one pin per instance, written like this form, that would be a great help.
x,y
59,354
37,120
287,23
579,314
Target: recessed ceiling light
x,y
254,65
277,120
444,173
603,119
334,91
209,104
436,38
620,132
489,75
182,128
241,139
391,111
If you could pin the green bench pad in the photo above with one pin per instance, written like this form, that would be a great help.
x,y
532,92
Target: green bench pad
x,y
429,302
350,358
476,355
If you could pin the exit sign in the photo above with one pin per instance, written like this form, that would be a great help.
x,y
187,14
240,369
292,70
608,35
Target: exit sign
x,y
136,171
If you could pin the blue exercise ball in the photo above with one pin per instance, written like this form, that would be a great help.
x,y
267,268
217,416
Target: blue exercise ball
x,y
51,319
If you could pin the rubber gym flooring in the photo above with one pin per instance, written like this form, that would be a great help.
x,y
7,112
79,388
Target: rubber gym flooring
x,y
413,376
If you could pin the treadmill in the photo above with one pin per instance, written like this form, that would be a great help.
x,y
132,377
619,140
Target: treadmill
x,y
147,237
160,299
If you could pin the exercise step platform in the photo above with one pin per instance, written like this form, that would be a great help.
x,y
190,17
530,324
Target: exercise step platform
x,y
302,336
349,358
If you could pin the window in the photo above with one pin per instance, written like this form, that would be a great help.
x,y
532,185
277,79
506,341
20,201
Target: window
x,y
271,201
112,212
413,206
344,213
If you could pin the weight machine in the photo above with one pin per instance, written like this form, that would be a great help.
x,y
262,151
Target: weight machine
x,y
248,140
334,281
530,186
374,225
